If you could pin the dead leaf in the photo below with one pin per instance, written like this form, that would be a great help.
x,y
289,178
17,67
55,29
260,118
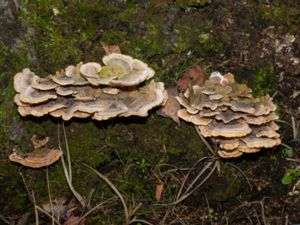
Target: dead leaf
x,y
72,220
109,49
193,76
171,106
61,208
58,207
159,190
24,219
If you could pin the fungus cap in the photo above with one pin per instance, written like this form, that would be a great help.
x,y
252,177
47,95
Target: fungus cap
x,y
238,122
119,70
23,79
41,156
230,130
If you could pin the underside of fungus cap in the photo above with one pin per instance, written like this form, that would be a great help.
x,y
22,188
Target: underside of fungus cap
x,y
228,144
193,118
233,129
124,103
42,109
91,90
230,154
59,96
226,112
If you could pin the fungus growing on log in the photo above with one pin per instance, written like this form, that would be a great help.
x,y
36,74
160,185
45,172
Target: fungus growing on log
x,y
119,71
226,112
91,90
41,156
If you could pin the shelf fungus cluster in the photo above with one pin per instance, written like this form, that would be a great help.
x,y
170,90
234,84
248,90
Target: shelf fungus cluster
x,y
226,112
90,90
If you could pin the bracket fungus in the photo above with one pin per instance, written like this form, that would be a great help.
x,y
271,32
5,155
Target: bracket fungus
x,y
91,90
226,112
41,156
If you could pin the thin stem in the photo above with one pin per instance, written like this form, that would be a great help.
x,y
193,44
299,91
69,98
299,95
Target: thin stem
x,y
92,210
36,213
204,141
112,186
186,193
295,128
49,195
46,213
197,177
186,177
75,193
68,169
139,221
68,152
202,182
245,176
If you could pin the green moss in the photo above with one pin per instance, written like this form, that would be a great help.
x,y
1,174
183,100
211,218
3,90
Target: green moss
x,y
282,15
126,150
264,80
186,3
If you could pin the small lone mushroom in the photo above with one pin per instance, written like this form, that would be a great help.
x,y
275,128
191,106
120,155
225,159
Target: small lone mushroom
x,y
41,156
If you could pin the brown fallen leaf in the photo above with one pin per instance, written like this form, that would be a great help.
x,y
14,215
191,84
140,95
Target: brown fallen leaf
x,y
72,220
193,76
61,208
171,106
109,49
158,191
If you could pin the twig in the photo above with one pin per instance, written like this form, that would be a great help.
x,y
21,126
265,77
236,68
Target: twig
x,y
247,204
204,141
49,194
75,193
202,182
244,175
262,206
180,197
92,210
188,174
197,177
295,128
38,208
112,186
89,198
293,160
68,170
211,222
24,219
4,220
68,152
140,221
286,146
36,213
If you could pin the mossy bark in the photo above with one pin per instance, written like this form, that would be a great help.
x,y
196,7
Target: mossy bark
x,y
170,36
